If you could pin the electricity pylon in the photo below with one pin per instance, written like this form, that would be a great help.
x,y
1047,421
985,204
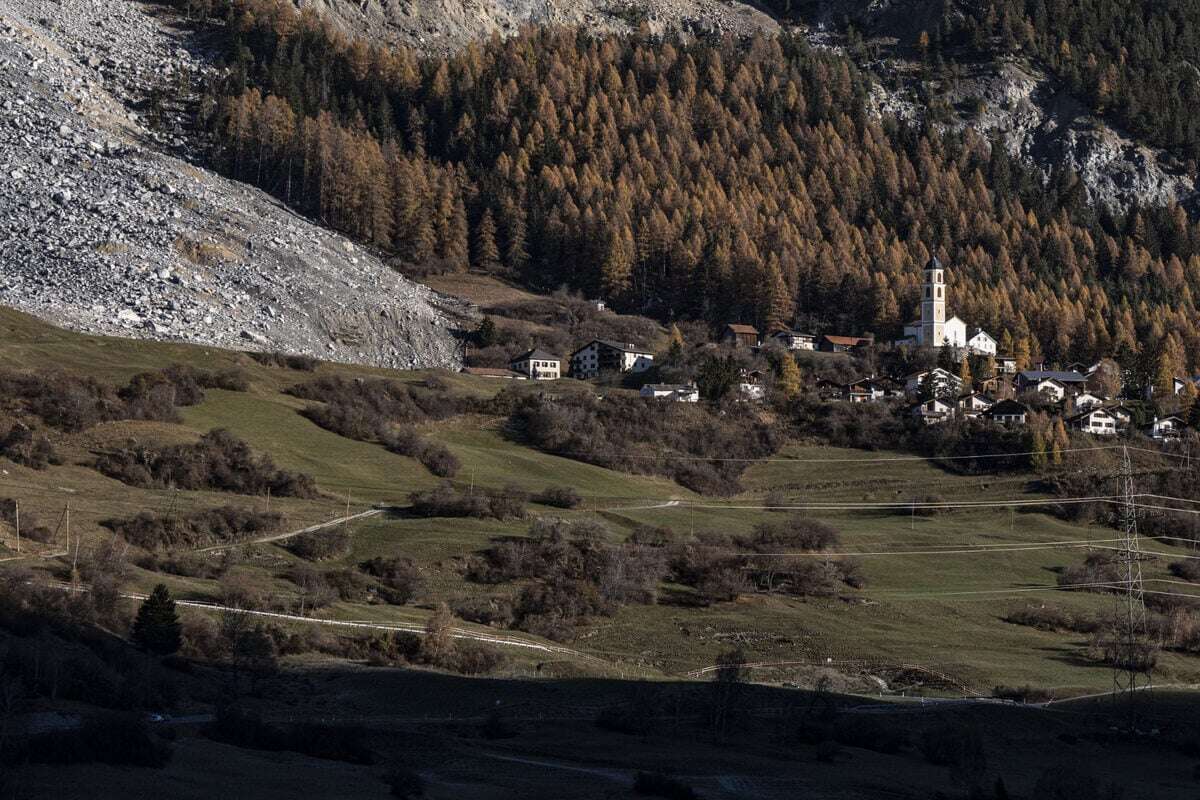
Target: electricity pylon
x,y
1131,645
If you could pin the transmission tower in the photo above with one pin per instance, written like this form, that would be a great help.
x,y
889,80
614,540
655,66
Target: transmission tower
x,y
1131,646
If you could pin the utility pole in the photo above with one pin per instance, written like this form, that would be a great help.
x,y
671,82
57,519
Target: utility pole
x,y
17,522
347,502
1130,646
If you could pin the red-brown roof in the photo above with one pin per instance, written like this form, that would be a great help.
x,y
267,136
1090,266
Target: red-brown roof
x,y
739,328
849,341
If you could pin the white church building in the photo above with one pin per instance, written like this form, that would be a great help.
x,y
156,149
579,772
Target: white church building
x,y
933,329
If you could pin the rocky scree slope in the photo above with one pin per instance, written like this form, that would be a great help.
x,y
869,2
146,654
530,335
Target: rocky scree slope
x,y
443,26
102,231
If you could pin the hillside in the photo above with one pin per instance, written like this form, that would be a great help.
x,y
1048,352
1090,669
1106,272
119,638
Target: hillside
x,y
918,608
108,230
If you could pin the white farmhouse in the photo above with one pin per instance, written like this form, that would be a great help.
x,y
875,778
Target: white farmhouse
x,y
1096,421
933,411
794,340
1164,428
537,364
981,342
601,355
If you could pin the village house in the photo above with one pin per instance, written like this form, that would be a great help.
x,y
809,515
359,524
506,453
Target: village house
x,y
937,381
866,390
982,343
1006,365
793,340
1095,421
675,393
1164,428
933,411
1086,399
1055,384
828,390
750,391
537,364
601,355
841,344
740,335
1008,412
1123,414
973,404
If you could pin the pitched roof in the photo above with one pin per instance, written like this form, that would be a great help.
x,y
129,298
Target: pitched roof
x,y
1062,376
1007,407
848,341
1087,412
738,327
536,354
669,387
788,332
624,347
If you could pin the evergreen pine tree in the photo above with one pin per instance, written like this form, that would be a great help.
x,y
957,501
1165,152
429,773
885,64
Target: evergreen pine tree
x,y
157,627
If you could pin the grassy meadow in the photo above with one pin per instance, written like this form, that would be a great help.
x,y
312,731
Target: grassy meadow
x,y
937,587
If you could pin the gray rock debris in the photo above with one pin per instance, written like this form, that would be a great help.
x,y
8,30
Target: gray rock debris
x,y
102,231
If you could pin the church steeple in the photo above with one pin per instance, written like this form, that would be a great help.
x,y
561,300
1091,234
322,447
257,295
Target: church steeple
x,y
933,305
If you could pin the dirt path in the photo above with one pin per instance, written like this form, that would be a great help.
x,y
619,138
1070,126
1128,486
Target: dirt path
x,y
279,537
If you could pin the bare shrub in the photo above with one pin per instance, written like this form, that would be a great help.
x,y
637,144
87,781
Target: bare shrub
x,y
559,497
797,533
399,578
446,501
294,361
153,531
22,446
322,544
218,461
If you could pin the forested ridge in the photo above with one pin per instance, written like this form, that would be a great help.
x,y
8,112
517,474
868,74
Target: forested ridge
x,y
724,180
1134,59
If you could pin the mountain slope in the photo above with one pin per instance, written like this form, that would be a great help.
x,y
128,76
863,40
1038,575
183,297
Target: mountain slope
x,y
442,26
105,232
967,75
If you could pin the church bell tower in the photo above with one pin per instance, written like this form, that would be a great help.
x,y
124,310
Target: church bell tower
x,y
933,305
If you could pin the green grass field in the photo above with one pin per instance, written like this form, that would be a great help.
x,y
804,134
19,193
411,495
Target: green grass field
x,y
937,587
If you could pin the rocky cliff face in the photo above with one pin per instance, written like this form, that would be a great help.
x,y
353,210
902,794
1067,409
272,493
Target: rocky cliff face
x,y
103,230
1030,112
440,26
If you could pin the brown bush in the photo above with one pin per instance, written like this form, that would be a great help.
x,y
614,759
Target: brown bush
x,y
294,361
322,544
22,446
153,531
630,435
559,497
399,578
218,461
446,501
798,533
